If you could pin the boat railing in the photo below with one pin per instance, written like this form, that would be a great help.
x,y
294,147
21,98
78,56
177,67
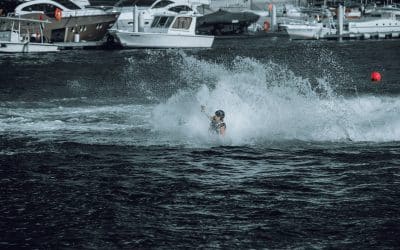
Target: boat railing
x,y
293,21
80,12
84,12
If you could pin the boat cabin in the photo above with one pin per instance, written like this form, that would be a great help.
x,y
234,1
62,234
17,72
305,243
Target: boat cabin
x,y
174,24
21,30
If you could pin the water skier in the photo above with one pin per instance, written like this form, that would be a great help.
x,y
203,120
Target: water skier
x,y
217,124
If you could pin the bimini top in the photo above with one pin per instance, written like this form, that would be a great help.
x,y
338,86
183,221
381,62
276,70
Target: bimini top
x,y
225,17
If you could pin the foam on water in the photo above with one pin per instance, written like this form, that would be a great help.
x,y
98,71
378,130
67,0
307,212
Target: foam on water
x,y
266,101
263,101
117,124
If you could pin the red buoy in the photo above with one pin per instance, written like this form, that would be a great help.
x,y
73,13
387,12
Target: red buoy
x,y
376,76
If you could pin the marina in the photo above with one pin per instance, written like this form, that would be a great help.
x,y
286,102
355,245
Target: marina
x,y
78,25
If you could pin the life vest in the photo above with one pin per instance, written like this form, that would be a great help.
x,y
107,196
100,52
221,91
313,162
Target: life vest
x,y
216,126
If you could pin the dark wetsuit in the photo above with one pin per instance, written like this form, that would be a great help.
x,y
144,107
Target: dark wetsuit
x,y
216,126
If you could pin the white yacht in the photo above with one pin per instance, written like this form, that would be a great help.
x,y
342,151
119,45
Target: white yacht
x,y
386,25
177,31
317,24
12,40
382,24
159,7
385,11
68,18
310,30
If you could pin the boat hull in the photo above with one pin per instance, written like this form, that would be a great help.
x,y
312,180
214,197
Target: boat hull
x,y
89,28
307,32
12,47
378,26
162,40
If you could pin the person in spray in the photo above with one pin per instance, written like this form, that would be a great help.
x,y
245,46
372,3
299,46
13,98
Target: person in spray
x,y
217,124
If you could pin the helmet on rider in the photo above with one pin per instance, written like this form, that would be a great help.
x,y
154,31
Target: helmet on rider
x,y
220,113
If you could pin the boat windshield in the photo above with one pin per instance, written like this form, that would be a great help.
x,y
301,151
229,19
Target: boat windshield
x,y
130,3
162,21
162,4
48,9
67,3
182,23
180,8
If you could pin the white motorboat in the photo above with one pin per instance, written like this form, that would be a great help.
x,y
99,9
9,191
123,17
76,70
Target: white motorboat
x,y
310,30
166,32
383,26
319,25
159,7
12,40
385,11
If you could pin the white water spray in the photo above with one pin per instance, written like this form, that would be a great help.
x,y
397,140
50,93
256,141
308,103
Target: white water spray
x,y
268,102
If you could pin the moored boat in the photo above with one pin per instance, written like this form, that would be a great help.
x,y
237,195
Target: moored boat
x,y
12,40
68,20
310,30
166,32
159,7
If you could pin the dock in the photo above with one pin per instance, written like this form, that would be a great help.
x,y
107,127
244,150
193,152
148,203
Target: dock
x,y
80,45
363,36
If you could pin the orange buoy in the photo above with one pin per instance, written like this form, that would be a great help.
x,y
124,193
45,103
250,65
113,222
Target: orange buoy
x,y
376,76
58,14
266,26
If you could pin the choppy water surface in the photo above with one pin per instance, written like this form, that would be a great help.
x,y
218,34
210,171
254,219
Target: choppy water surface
x,y
109,149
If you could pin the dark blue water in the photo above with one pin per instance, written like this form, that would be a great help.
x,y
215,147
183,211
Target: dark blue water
x,y
109,149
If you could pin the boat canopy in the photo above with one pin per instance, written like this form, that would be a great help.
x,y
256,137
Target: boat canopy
x,y
225,17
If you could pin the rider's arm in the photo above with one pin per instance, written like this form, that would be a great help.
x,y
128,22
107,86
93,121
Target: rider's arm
x,y
222,130
203,110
